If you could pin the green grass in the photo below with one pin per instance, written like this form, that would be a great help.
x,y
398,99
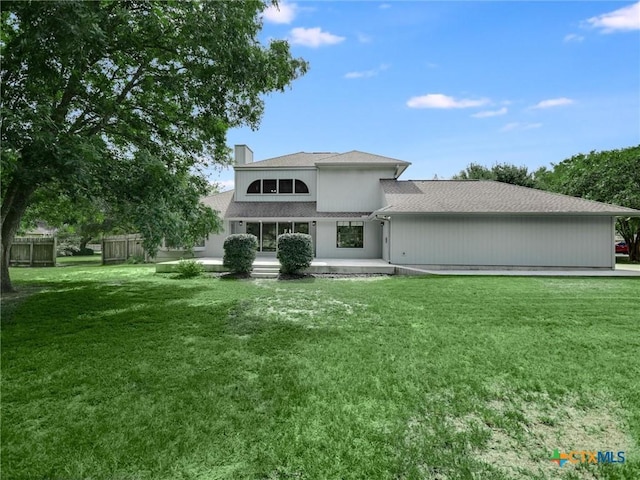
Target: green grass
x,y
119,373
87,260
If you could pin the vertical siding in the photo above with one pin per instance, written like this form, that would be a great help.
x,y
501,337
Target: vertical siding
x,y
214,244
244,178
563,241
326,235
353,190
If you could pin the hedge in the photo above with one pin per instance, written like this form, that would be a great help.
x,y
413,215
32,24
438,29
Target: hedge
x,y
240,252
295,252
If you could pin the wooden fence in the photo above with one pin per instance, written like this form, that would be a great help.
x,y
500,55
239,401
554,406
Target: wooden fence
x,y
33,252
120,248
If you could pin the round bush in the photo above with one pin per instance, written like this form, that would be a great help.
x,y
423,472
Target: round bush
x,y
189,268
240,252
295,252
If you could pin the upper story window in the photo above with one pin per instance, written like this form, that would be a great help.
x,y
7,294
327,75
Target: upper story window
x,y
282,186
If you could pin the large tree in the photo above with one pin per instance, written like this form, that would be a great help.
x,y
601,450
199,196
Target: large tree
x,y
127,101
611,176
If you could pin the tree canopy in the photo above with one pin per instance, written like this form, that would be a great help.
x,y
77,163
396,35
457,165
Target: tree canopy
x,y
501,172
127,103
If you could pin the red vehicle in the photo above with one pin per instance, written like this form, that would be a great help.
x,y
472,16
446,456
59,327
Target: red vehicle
x,y
622,247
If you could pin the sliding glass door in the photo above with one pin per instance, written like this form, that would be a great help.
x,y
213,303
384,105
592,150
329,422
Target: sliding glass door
x,y
267,232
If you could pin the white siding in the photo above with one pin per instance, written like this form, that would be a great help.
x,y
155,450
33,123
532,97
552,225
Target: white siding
x,y
214,244
351,190
538,241
326,238
243,179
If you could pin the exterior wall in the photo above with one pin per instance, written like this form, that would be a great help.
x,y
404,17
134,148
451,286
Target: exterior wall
x,y
214,245
351,190
326,237
535,241
244,178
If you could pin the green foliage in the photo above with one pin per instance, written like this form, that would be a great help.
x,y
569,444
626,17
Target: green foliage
x,y
240,252
135,259
124,105
501,172
295,252
189,268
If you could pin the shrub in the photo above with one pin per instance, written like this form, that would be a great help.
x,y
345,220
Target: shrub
x,y
295,252
189,268
135,259
240,252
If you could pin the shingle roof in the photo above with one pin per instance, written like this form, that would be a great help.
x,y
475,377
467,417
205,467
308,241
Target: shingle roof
x,y
485,196
304,159
223,203
300,159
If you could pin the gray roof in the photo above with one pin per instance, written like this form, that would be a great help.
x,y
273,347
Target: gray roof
x,y
223,203
304,159
485,196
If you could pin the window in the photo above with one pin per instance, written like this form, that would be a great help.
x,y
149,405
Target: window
x,y
285,186
269,186
350,235
254,187
301,187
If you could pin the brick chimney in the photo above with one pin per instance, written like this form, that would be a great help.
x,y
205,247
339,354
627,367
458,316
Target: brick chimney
x,y
243,155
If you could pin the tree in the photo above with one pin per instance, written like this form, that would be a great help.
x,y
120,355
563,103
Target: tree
x,y
127,102
501,172
611,176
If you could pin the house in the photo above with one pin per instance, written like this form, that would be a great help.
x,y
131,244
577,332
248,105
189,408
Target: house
x,y
355,206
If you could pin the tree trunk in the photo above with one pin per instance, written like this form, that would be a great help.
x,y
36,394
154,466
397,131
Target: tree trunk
x,y
14,205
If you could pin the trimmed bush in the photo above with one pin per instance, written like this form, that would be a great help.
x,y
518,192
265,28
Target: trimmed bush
x,y
295,252
189,268
240,252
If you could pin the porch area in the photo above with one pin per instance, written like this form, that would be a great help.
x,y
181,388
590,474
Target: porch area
x,y
318,265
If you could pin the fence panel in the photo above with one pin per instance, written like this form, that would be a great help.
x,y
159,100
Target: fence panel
x,y
33,252
120,248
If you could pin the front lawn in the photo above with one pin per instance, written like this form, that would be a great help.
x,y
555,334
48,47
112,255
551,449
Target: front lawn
x,y
120,373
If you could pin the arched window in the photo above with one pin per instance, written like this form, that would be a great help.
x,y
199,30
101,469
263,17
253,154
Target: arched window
x,y
254,187
301,187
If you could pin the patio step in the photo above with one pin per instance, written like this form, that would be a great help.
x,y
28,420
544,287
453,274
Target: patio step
x,y
265,271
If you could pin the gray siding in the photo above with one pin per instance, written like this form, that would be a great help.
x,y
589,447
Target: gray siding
x,y
537,241
243,179
351,190
326,236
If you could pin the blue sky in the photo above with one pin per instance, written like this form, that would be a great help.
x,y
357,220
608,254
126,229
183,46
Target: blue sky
x,y
444,84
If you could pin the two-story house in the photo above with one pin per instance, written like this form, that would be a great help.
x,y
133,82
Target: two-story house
x,y
354,206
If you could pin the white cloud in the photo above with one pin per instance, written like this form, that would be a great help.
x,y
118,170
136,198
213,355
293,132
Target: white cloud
x,y
367,73
282,13
509,127
553,102
624,19
573,38
438,100
490,113
313,37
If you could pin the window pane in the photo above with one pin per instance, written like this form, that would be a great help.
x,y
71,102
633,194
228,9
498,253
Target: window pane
x,y
268,237
285,186
254,229
284,227
269,186
302,227
301,187
254,187
350,235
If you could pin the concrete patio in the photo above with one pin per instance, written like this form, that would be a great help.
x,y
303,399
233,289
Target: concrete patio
x,y
269,266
